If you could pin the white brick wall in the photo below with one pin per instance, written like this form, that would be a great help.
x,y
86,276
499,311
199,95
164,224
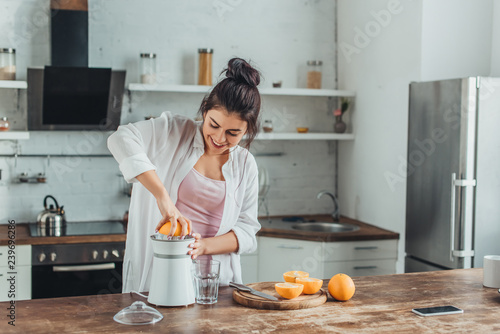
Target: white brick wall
x,y
89,188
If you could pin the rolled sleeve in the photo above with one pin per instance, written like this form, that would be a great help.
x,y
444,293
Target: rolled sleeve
x,y
248,225
135,165
132,146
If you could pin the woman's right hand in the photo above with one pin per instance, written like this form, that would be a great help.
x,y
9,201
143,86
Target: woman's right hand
x,y
170,213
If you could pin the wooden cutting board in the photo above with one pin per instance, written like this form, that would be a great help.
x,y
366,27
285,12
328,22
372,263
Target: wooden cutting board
x,y
302,301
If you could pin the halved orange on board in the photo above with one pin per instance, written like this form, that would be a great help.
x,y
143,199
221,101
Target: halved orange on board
x,y
289,290
290,276
311,285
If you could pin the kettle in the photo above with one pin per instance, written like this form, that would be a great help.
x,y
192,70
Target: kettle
x,y
51,218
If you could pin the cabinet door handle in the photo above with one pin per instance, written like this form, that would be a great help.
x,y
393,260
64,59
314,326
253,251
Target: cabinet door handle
x,y
365,247
364,267
290,247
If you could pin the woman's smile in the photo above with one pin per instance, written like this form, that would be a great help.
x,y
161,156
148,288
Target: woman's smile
x,y
222,130
216,144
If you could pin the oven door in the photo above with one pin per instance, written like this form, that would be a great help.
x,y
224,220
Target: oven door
x,y
49,281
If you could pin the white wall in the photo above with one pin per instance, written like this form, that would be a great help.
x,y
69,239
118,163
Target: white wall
x,y
495,41
415,42
278,36
456,39
379,73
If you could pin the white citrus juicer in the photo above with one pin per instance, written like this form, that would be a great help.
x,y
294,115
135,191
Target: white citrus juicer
x,y
171,280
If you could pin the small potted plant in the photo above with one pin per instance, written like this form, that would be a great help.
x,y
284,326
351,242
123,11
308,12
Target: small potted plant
x,y
340,126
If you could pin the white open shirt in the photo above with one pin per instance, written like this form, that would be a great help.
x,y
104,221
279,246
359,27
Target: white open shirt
x,y
171,145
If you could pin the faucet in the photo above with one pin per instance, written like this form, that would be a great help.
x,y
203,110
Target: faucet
x,y
336,212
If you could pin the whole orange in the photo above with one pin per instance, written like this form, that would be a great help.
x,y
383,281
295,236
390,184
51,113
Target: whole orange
x,y
165,229
341,287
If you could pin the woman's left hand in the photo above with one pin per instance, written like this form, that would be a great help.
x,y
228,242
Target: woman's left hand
x,y
198,246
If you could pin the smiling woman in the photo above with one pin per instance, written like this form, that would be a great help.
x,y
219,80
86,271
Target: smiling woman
x,y
237,96
194,174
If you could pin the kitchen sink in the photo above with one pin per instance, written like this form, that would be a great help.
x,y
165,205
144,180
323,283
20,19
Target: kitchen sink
x,y
325,227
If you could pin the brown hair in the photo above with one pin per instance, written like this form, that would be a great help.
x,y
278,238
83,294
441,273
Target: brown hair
x,y
238,94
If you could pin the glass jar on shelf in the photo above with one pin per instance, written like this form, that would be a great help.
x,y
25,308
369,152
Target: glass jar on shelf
x,y
4,124
148,68
314,74
205,66
268,126
8,64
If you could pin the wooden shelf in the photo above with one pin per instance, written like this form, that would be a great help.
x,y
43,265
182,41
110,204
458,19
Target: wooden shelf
x,y
14,135
169,88
307,92
263,91
304,136
15,84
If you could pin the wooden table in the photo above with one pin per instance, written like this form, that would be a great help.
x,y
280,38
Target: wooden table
x,y
380,304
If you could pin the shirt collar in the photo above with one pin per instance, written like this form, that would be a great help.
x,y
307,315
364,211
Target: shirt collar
x,y
198,137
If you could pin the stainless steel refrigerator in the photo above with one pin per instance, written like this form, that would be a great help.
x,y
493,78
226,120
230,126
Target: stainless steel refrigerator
x,y
453,174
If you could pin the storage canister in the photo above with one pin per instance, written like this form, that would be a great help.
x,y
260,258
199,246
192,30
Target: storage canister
x,y
148,68
205,66
268,126
8,64
4,124
314,74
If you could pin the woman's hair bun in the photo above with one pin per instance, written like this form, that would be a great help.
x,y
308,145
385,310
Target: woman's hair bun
x,y
242,72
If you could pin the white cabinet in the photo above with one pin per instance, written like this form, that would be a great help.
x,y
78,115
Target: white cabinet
x,y
325,259
15,284
249,267
278,255
361,258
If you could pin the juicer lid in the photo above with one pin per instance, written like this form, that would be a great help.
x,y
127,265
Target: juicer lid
x,y
138,314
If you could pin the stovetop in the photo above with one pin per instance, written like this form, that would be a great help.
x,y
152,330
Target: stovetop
x,y
80,228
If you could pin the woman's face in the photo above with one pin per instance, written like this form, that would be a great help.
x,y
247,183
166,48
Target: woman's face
x,y
222,130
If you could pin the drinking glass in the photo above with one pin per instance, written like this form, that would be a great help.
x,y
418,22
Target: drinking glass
x,y
206,280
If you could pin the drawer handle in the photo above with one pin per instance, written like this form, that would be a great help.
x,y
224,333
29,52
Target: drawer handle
x,y
290,247
365,247
364,267
84,267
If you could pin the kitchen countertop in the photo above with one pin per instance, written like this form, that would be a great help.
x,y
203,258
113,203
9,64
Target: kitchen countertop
x,y
380,304
366,232
23,237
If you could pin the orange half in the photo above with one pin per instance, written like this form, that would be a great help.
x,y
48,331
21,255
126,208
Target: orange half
x,y
165,229
311,285
290,276
289,290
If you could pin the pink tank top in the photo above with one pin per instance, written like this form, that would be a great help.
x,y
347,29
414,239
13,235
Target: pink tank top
x,y
201,199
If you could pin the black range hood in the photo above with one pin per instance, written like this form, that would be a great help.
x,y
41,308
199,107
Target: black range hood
x,y
69,95
69,33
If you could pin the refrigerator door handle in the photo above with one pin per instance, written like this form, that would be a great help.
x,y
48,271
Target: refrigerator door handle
x,y
457,183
